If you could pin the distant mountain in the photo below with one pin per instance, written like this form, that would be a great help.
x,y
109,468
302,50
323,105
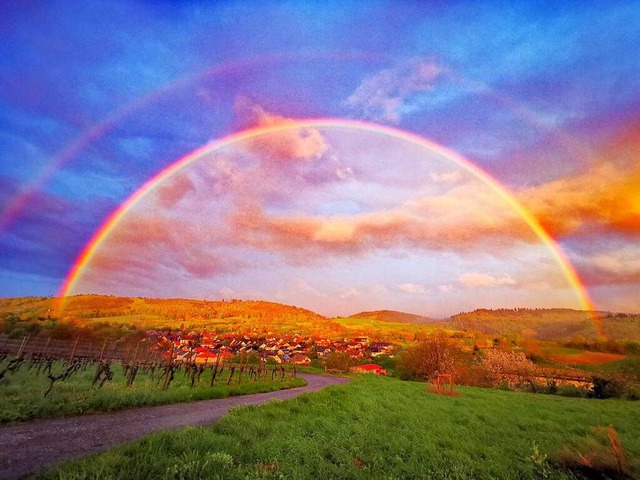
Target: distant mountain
x,y
548,323
393,316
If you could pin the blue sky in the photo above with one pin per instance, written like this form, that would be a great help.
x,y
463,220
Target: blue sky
x,y
97,97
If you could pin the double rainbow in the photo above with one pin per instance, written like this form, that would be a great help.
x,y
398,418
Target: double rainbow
x,y
107,227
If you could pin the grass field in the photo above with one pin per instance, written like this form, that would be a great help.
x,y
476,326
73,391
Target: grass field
x,y
378,428
21,393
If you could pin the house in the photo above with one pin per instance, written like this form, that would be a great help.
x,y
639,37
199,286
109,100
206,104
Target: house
x,y
299,359
369,368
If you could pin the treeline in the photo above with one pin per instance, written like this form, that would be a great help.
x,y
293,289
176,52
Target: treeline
x,y
548,324
608,345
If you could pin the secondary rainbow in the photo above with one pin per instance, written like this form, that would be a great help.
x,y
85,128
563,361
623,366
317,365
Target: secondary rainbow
x,y
103,232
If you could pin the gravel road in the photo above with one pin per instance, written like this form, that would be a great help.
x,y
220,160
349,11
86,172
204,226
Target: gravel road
x,y
29,447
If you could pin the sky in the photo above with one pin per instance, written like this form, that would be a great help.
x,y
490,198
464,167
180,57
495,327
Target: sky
x,y
441,130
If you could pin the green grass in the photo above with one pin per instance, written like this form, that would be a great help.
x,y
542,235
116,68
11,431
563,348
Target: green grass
x,y
21,393
373,428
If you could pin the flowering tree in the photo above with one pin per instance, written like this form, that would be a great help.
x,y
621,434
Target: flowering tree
x,y
512,367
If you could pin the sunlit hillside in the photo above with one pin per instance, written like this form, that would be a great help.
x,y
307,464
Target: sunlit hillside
x,y
144,313
392,316
262,318
555,323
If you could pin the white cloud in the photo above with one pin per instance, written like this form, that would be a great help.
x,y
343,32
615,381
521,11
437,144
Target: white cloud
x,y
226,292
384,95
447,177
483,280
303,287
350,293
413,288
445,288
344,172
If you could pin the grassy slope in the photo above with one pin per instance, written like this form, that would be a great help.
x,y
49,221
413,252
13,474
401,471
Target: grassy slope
x,y
392,316
21,393
372,428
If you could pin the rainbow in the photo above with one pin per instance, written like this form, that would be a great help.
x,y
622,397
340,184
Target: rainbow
x,y
112,221
17,203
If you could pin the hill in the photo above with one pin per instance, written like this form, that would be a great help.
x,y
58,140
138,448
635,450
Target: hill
x,y
547,323
250,316
28,314
392,316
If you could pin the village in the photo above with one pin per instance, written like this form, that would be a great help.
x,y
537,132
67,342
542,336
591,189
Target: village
x,y
292,349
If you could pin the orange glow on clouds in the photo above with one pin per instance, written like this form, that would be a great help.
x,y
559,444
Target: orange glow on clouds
x,y
301,140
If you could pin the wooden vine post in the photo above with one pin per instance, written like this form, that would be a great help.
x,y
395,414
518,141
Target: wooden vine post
x,y
169,363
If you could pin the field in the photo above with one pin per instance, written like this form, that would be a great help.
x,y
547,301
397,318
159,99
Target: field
x,y
22,392
383,428
580,357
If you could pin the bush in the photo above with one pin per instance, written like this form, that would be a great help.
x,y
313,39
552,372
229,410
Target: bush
x,y
606,388
338,361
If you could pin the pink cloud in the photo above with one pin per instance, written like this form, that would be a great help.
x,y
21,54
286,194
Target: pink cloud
x,y
174,189
412,288
483,280
284,146
384,95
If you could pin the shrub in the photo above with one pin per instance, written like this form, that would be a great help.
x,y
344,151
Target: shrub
x,y
606,388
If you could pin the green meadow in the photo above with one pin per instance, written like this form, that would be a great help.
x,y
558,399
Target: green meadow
x,y
385,429
22,392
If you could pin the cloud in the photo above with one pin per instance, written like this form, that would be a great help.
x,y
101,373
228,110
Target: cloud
x,y
447,177
226,292
445,288
174,189
344,172
612,267
468,217
606,197
483,280
303,287
384,95
350,293
284,146
412,288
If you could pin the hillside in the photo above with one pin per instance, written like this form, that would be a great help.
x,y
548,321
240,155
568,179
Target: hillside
x,y
392,316
262,317
551,323
145,313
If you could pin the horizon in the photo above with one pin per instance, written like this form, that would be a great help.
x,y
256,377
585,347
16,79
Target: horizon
x,y
230,300
204,151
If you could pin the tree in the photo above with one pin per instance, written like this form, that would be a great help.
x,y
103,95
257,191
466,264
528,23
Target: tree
x,y
338,361
427,359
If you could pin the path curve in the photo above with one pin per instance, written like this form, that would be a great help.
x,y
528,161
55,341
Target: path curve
x,y
32,446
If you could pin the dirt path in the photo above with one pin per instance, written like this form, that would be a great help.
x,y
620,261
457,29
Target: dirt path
x,y
29,447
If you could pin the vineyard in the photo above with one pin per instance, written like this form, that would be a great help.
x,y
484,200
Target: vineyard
x,y
47,378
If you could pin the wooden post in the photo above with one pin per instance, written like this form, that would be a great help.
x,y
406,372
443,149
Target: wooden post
x,y
46,347
73,350
104,345
22,345
169,363
135,355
